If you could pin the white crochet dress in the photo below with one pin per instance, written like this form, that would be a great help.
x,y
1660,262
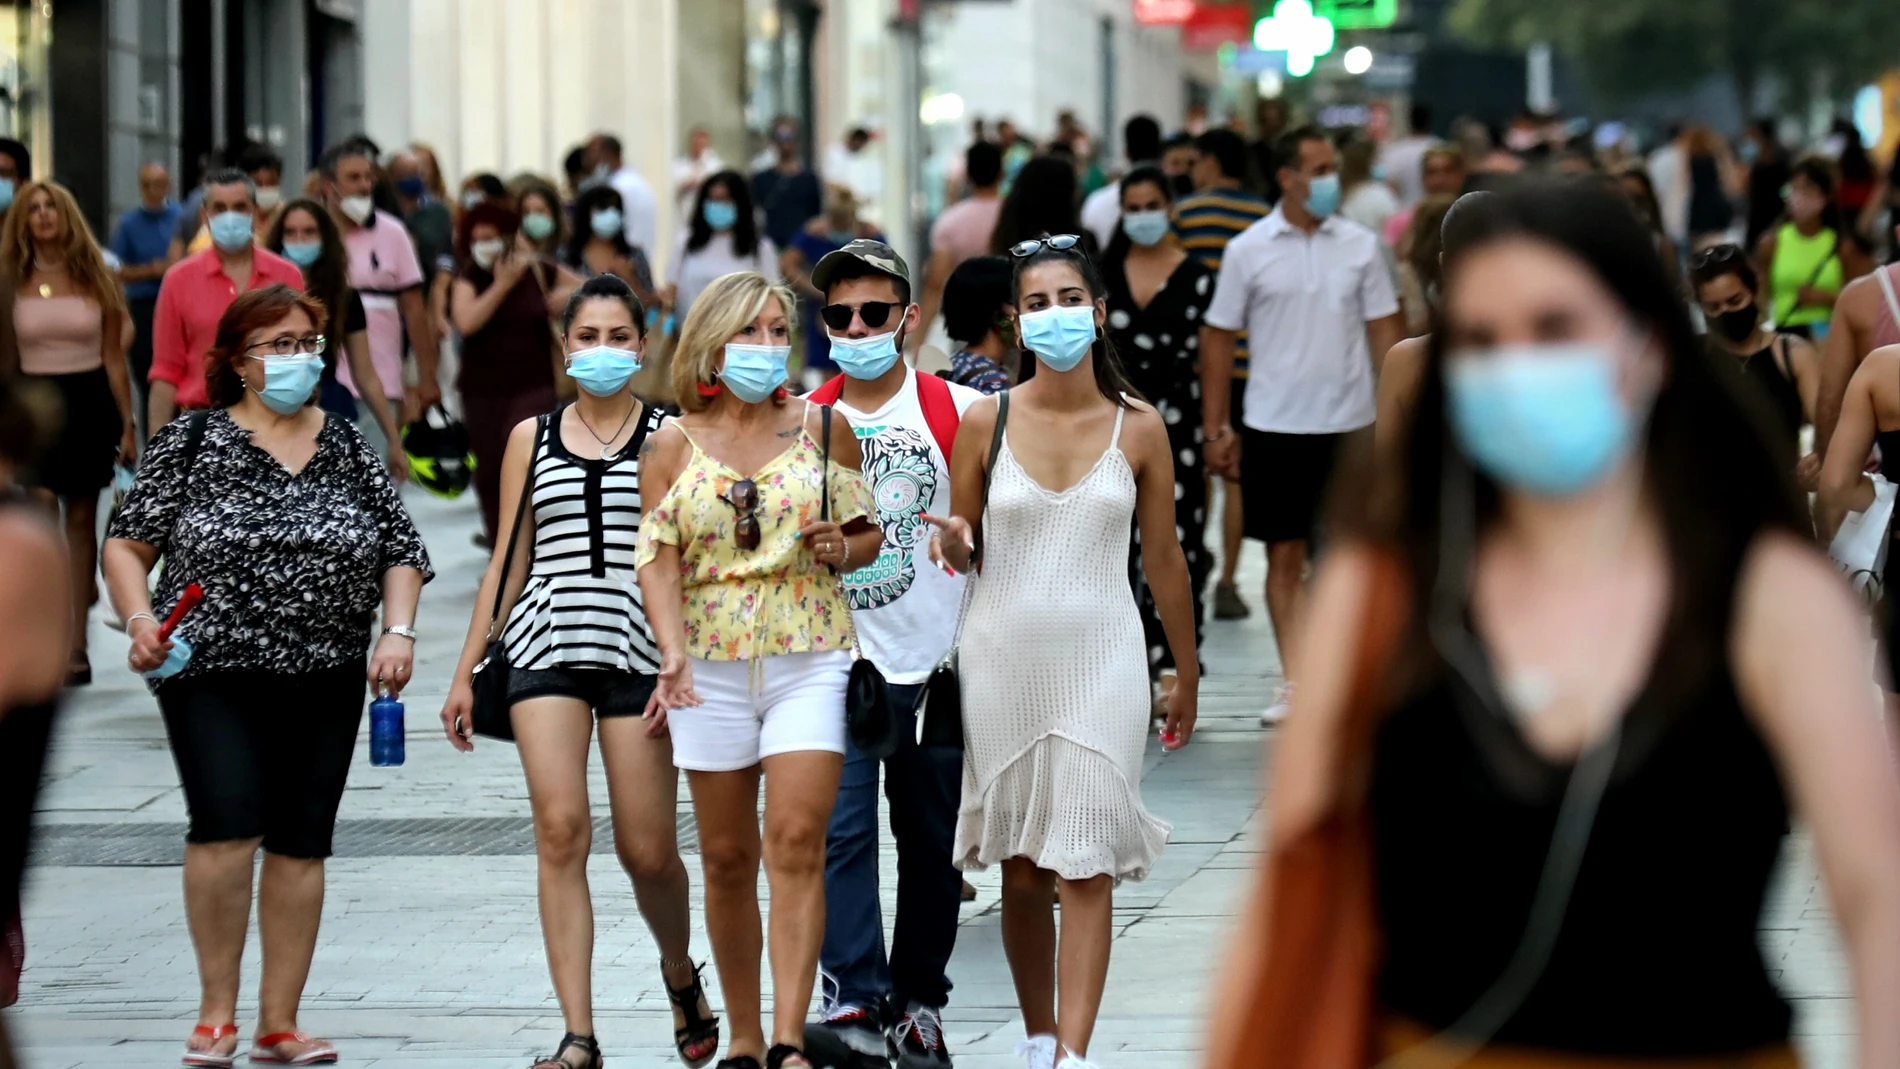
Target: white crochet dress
x,y
1055,685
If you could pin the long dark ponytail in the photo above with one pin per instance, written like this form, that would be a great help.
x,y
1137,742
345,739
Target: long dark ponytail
x,y
1109,376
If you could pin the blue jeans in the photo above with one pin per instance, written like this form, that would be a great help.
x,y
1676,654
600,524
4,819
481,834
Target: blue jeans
x,y
923,786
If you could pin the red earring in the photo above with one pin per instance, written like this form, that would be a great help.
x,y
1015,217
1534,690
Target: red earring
x,y
780,394
708,389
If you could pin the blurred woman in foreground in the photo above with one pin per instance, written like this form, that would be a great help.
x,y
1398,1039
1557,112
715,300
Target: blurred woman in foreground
x,y
1542,634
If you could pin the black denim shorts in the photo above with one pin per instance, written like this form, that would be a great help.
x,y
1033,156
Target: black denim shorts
x,y
606,692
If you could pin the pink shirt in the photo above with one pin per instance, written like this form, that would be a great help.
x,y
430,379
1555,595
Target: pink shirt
x,y
964,228
191,300
58,335
382,265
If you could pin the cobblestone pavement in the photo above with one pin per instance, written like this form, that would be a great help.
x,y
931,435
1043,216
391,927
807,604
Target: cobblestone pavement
x,y
431,954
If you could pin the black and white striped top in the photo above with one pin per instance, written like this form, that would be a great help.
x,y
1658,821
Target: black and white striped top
x,y
581,606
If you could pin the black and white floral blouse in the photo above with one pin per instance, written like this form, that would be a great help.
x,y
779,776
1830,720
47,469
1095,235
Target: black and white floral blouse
x,y
291,566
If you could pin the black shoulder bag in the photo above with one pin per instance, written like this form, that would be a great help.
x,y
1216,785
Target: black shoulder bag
x,y
940,707
868,717
489,678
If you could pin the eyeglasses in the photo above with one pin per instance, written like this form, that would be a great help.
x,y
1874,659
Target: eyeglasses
x,y
287,345
743,496
1023,250
1716,254
874,314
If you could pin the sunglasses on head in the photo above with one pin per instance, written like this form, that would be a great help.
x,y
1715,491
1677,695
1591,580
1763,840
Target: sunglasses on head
x,y
1716,254
743,496
874,313
1022,250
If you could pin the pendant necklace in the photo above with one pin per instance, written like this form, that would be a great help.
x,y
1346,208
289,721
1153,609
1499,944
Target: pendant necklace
x,y
609,456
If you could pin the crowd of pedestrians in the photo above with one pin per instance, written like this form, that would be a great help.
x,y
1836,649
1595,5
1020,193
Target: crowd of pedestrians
x,y
1518,419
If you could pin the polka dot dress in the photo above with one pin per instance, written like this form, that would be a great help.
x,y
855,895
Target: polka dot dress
x,y
1158,345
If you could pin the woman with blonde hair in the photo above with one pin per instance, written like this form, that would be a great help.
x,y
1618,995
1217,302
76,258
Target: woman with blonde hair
x,y
69,312
759,510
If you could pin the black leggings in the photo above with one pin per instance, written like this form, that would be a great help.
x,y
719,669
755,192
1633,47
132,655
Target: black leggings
x,y
265,755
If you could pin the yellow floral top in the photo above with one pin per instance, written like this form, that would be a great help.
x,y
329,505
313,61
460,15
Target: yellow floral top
x,y
774,599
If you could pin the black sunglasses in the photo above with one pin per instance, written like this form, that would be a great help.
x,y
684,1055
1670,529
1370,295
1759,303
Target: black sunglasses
x,y
874,314
1022,250
743,496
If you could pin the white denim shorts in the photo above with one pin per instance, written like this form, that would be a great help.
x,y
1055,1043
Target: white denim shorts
x,y
751,710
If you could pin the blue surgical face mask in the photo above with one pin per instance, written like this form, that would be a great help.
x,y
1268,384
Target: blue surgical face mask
x,y
754,372
411,186
720,214
537,225
607,222
865,358
472,198
1322,195
303,253
1544,419
7,188
1061,336
1145,228
231,231
603,370
289,381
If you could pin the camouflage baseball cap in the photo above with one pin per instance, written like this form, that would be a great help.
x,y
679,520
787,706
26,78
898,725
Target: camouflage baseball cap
x,y
875,254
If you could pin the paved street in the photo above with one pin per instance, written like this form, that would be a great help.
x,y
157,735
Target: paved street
x,y
431,952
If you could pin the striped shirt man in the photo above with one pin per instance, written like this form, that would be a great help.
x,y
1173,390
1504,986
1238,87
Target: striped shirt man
x,y
1205,222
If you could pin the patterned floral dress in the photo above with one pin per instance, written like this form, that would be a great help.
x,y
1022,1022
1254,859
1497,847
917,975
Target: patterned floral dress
x,y
741,605
1158,347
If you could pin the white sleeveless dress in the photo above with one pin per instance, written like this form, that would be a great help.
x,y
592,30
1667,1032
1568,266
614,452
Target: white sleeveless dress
x,y
1055,682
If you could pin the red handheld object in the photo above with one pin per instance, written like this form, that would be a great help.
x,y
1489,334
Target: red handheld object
x,y
186,602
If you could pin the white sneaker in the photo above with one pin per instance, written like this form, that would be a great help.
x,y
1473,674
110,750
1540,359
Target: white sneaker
x,y
1039,1050
1071,1060
1276,712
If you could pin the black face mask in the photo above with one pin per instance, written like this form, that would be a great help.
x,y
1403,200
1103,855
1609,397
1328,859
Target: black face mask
x,y
1183,185
1736,324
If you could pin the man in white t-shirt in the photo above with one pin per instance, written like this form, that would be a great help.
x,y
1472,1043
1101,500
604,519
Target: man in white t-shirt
x,y
905,609
639,210
1403,156
1314,294
1102,209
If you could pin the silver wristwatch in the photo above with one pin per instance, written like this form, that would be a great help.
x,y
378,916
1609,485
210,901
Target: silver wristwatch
x,y
403,630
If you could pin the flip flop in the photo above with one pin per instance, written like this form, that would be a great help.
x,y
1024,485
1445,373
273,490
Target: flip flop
x,y
208,1057
316,1051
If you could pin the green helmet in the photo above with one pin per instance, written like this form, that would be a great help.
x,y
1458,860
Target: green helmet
x,y
439,457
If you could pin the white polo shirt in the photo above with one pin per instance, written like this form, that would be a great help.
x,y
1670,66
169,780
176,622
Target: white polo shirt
x,y
1304,300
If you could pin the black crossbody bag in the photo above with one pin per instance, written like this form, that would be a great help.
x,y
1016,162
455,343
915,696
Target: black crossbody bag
x,y
940,706
489,678
868,717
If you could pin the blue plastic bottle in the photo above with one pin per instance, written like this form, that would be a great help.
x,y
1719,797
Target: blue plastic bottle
x,y
386,745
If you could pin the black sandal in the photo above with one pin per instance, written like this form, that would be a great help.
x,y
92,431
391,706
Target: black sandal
x,y
697,1029
775,1058
738,1061
587,1046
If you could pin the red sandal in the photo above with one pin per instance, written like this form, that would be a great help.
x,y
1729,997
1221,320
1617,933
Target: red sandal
x,y
316,1051
210,1057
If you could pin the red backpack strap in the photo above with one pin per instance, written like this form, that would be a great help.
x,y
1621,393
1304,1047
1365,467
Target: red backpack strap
x,y
940,411
829,393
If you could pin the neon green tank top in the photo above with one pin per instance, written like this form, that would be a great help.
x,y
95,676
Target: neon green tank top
x,y
1803,261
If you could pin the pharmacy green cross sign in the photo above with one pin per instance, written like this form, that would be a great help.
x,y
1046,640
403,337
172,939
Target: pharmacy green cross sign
x,y
1293,28
1358,14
